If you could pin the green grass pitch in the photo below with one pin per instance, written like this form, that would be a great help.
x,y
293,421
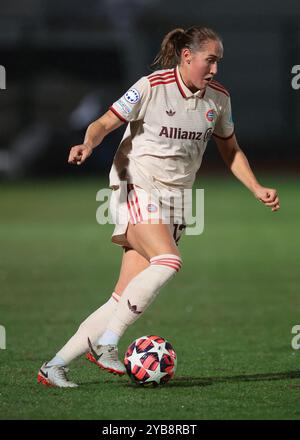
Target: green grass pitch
x,y
228,313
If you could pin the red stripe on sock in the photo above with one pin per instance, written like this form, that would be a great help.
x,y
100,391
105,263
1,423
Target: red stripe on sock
x,y
116,297
167,260
173,266
166,257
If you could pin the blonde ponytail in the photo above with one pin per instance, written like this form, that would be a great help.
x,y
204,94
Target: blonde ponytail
x,y
193,38
169,54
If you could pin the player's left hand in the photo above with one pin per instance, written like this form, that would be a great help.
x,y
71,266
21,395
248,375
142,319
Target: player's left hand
x,y
268,196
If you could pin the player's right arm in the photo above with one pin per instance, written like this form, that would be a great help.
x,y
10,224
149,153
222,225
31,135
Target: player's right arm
x,y
95,134
130,107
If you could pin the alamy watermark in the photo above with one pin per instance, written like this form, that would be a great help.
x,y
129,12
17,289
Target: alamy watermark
x,y
2,338
296,79
296,339
2,78
132,204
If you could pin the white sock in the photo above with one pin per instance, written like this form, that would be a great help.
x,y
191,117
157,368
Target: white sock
x,y
108,337
139,294
56,361
91,328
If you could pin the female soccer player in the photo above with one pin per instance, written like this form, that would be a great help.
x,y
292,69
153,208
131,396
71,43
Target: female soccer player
x,y
171,115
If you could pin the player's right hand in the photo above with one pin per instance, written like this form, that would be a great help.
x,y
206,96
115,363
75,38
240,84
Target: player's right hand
x,y
79,153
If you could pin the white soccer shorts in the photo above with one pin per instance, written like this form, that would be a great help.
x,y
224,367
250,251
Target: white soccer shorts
x,y
135,205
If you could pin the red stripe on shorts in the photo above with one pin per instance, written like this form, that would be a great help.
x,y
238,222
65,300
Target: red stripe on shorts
x,y
138,206
133,205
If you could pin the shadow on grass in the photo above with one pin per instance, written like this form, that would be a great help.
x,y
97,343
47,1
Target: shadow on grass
x,y
191,381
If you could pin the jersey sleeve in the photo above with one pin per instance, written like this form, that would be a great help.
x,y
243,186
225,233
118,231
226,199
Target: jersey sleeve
x,y
132,105
224,127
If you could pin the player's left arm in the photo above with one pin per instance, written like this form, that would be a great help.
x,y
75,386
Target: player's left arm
x,y
238,163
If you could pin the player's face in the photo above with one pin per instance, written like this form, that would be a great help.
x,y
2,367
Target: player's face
x,y
203,64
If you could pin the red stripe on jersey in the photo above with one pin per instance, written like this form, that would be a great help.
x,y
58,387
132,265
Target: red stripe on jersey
x,y
218,89
162,78
216,83
153,75
178,83
224,138
117,114
171,77
163,82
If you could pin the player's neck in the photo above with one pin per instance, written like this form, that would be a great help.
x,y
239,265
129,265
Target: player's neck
x,y
186,81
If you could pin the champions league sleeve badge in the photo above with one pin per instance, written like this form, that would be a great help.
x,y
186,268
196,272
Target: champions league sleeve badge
x,y
132,96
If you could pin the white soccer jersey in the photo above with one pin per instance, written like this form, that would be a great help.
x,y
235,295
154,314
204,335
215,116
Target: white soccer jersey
x,y
168,130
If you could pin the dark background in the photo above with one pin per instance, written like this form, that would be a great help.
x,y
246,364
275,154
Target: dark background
x,y
66,62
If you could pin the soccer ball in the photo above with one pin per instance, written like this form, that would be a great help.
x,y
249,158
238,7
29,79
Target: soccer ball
x,y
150,361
